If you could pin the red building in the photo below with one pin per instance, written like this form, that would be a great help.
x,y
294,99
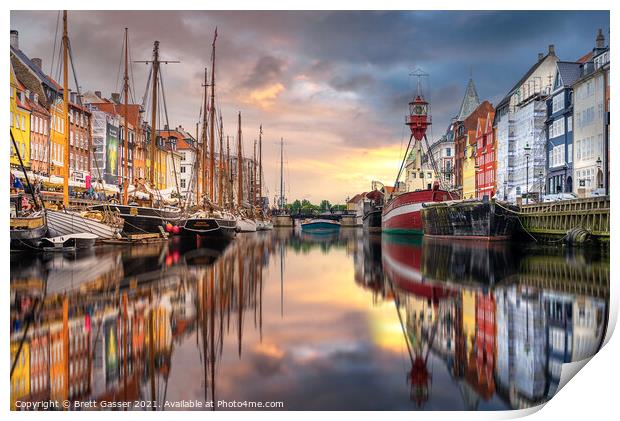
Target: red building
x,y
485,157
39,136
79,139
485,342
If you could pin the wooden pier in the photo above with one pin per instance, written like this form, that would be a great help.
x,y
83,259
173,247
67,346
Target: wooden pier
x,y
552,221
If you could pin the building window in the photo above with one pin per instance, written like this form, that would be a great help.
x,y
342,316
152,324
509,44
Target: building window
x,y
182,183
182,169
558,102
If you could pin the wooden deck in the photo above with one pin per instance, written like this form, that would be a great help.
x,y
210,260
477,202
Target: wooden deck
x,y
555,219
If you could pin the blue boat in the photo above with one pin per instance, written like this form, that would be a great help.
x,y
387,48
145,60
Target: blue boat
x,y
320,226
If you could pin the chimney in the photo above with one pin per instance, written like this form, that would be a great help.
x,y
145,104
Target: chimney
x,y
551,49
600,39
37,62
98,93
14,39
540,56
116,97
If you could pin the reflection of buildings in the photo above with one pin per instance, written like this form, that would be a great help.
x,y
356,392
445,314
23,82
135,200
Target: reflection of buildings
x,y
103,352
500,331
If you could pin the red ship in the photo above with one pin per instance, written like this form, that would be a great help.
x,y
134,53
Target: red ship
x,y
402,213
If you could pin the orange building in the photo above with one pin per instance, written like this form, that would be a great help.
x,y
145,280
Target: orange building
x,y
58,366
79,139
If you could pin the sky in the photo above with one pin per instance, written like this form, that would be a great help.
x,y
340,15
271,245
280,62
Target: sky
x,y
333,84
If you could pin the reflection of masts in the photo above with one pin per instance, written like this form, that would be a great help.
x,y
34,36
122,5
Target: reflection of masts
x,y
152,348
240,303
281,279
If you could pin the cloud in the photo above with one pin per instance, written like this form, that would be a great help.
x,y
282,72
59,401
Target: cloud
x,y
329,82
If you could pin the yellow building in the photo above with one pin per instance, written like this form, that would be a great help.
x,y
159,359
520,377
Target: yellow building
x,y
20,380
20,122
469,166
469,319
57,127
161,157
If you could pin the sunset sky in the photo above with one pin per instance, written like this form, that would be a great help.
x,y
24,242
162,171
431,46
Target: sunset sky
x,y
334,85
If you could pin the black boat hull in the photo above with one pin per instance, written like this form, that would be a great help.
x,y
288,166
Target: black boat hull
x,y
27,239
470,220
209,228
372,221
141,220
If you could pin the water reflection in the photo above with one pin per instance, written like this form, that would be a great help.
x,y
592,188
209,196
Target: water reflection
x,y
343,321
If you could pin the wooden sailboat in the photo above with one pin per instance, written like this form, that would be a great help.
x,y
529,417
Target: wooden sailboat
x,y
245,220
62,222
211,220
151,214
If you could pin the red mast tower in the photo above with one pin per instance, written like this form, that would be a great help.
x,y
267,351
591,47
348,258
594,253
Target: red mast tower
x,y
418,119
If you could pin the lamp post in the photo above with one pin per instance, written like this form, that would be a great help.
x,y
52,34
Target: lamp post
x,y
527,150
598,166
540,178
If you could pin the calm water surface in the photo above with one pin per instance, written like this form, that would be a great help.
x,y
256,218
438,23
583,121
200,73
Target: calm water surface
x,y
348,321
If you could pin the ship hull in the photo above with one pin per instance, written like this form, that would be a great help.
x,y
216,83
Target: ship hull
x,y
246,225
372,221
402,214
26,233
320,226
141,220
217,228
470,220
62,223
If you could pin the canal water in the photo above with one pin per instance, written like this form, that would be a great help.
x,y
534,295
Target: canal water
x,y
300,322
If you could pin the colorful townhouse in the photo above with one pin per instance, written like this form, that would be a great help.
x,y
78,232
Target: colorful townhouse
x,y
20,123
79,139
560,129
181,158
469,166
39,136
591,123
485,157
39,366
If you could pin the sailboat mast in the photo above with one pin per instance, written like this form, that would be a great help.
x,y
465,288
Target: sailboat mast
x,y
260,164
203,149
239,164
212,124
154,111
229,174
65,88
253,178
220,172
281,204
126,154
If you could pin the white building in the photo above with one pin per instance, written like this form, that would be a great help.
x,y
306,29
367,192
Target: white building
x,y
442,152
590,145
520,124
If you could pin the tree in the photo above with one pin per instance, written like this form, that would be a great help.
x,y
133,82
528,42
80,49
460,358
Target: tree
x,y
325,206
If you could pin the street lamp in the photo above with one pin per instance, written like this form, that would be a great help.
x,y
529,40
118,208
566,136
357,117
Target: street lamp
x,y
540,178
527,150
598,166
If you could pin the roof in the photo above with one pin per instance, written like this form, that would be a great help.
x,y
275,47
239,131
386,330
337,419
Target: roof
x,y
585,58
521,81
36,107
358,197
569,72
35,69
374,195
470,101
